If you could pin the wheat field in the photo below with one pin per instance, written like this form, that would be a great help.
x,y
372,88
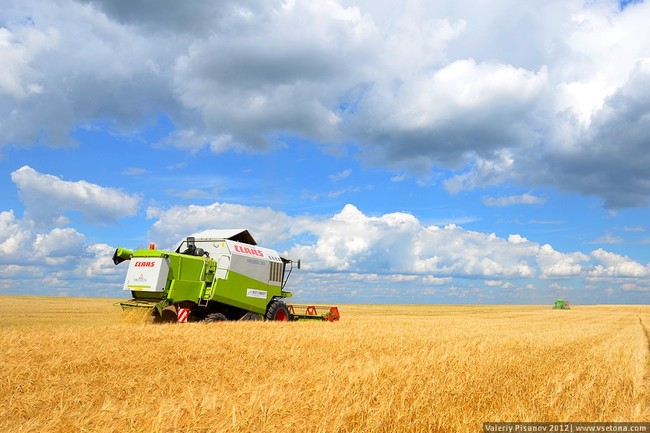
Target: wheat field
x,y
81,365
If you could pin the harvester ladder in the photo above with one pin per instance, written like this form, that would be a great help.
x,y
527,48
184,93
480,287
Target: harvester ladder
x,y
203,299
206,295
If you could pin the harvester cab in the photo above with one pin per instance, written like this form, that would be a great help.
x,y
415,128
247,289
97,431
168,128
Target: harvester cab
x,y
212,276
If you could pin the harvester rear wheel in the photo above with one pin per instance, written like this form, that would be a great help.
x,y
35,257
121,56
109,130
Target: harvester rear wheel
x,y
277,311
215,317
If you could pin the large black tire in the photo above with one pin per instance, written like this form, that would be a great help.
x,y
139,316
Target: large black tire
x,y
277,311
215,317
168,314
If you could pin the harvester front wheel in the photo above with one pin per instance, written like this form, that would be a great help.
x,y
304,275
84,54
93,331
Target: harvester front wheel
x,y
168,314
277,311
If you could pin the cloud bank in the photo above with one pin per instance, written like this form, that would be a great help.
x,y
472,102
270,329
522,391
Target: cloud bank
x,y
391,257
506,92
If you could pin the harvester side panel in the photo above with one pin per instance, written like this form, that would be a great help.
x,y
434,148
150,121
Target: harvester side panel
x,y
247,276
186,290
244,292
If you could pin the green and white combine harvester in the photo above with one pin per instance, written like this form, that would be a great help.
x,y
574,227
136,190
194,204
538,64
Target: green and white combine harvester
x,y
212,276
561,304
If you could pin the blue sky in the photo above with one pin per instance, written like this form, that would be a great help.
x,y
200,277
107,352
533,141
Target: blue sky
x,y
405,152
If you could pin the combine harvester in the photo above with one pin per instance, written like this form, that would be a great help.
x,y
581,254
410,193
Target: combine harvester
x,y
212,276
561,304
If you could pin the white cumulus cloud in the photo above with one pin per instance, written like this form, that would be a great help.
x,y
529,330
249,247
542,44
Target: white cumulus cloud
x,y
615,265
174,224
47,198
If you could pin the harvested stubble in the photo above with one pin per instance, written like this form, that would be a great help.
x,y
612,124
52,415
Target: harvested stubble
x,y
380,369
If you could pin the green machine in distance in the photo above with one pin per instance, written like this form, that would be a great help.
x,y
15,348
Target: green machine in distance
x,y
561,304
214,275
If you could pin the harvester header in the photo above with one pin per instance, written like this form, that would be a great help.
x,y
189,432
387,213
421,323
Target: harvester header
x,y
214,275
